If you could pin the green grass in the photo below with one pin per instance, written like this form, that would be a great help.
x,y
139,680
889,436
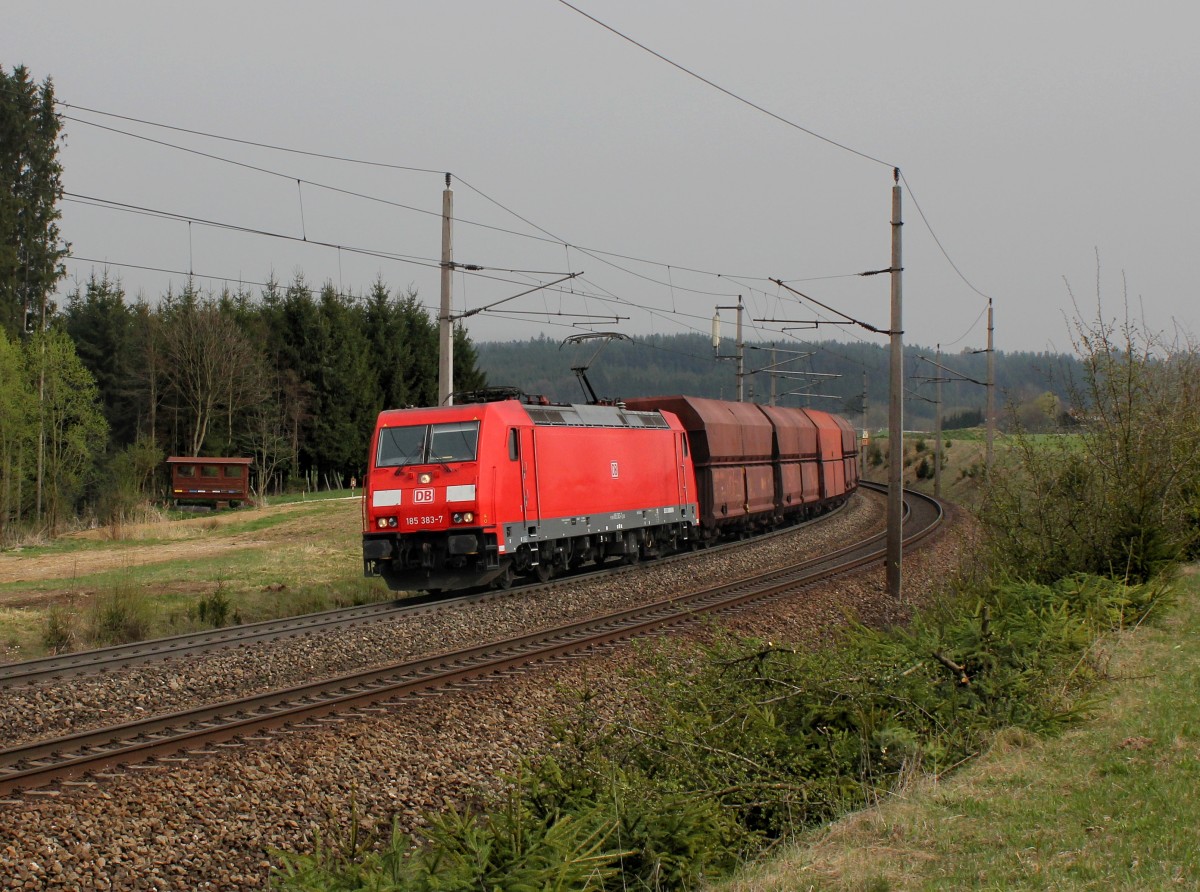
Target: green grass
x,y
21,633
121,611
264,563
1110,805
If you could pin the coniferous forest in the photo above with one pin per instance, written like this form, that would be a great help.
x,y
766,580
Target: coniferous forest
x,y
835,377
98,397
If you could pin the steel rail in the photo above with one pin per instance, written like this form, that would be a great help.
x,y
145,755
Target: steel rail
x,y
135,653
162,737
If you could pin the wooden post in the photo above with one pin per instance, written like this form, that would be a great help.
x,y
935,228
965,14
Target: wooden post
x,y
741,355
895,506
445,322
991,390
937,427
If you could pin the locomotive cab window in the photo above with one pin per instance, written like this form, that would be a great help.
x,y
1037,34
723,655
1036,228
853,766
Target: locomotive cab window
x,y
401,446
453,442
514,451
427,443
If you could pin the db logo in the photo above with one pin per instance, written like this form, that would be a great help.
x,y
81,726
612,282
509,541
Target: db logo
x,y
423,496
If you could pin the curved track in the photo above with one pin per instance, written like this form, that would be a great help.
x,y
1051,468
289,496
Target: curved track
x,y
104,659
196,731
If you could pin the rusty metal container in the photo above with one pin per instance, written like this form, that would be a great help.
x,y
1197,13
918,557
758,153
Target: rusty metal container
x,y
833,466
731,448
849,451
798,480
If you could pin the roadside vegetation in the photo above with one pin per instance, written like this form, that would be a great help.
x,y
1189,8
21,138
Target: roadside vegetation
x,y
1106,805
761,743
173,575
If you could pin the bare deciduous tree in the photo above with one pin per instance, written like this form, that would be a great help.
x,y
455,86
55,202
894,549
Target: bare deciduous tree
x,y
210,364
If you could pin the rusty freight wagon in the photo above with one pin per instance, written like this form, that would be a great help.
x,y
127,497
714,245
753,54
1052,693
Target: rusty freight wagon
x,y
219,481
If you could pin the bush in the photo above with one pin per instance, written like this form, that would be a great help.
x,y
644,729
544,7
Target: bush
x,y
127,485
759,741
59,635
1118,495
213,610
119,617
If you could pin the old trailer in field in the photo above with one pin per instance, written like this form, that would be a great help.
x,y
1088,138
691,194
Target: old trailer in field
x,y
221,482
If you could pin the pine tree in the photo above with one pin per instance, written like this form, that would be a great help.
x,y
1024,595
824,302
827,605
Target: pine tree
x,y
31,249
102,327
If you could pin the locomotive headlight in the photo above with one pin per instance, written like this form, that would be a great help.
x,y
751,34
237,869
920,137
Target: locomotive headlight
x,y
385,523
425,478
462,517
467,517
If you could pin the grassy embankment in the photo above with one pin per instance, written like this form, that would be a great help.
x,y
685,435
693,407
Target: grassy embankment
x,y
1108,805
964,459
182,573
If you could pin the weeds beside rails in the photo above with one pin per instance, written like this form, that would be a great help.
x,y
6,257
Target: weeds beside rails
x,y
759,742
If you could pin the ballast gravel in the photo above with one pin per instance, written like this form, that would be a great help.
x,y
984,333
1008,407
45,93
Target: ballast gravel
x,y
218,820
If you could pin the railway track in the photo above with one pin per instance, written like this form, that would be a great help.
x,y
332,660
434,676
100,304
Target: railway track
x,y
109,658
164,738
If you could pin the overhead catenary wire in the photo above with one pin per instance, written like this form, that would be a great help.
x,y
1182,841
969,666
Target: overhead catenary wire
x,y
690,73
601,294
783,120
413,168
674,316
473,269
392,166
247,142
670,285
937,241
426,262
107,263
547,236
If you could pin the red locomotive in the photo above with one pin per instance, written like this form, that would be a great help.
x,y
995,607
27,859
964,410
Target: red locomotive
x,y
481,493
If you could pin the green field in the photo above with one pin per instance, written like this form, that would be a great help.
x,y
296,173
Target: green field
x,y
180,574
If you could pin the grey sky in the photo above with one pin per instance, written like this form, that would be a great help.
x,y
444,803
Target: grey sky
x,y
1033,135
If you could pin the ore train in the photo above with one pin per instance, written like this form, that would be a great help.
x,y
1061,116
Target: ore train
x,y
482,493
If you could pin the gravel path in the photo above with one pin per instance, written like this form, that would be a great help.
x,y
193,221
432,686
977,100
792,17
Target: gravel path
x,y
210,822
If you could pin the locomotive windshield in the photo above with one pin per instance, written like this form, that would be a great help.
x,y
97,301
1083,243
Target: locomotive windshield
x,y
424,444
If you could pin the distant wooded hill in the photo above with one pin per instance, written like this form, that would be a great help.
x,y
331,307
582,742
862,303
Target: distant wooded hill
x,y
832,379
